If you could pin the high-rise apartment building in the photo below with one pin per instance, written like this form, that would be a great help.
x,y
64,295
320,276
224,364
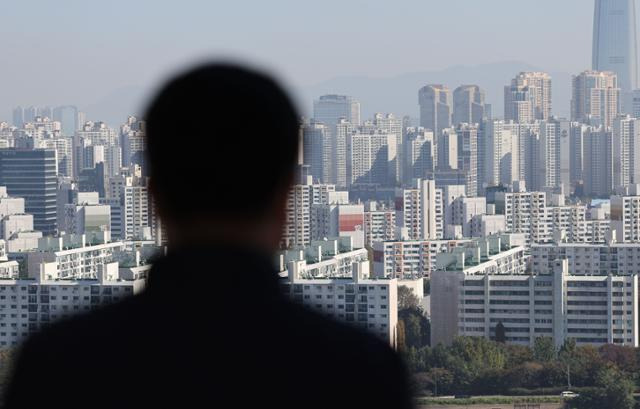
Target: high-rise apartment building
x,y
435,107
354,299
625,214
133,141
371,158
391,124
67,115
64,152
525,213
626,151
468,156
447,147
419,211
420,153
16,227
297,230
598,162
132,212
502,151
329,109
86,215
595,98
337,218
473,300
318,153
468,105
98,134
528,97
379,223
18,117
409,259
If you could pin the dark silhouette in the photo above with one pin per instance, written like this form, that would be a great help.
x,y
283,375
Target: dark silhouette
x,y
212,329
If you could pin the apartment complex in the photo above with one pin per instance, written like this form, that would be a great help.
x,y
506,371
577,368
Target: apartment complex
x,y
333,279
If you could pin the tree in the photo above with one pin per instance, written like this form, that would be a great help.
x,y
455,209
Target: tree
x,y
417,328
401,343
518,355
622,357
407,299
441,380
613,390
544,350
426,286
501,336
527,375
567,355
413,330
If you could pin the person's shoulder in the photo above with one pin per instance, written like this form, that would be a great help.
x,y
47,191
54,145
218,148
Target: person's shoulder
x,y
90,329
351,341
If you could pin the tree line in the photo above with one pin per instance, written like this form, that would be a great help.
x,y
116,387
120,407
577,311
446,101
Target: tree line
x,y
604,376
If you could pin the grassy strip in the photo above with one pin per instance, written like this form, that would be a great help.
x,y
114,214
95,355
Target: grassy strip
x,y
490,400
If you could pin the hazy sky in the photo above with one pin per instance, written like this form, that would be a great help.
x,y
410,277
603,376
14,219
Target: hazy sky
x,y
57,52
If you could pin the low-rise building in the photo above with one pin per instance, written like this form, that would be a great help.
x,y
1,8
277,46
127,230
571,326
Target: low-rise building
x,y
410,258
324,286
592,310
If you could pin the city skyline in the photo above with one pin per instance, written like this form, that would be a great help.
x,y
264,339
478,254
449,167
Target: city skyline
x,y
119,74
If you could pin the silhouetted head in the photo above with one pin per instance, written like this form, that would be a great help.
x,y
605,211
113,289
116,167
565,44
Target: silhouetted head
x,y
222,148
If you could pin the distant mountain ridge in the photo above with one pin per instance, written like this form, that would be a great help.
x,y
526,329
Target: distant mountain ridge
x,y
396,94
399,94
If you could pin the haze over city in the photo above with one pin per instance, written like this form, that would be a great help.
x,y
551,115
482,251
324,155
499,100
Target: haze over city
x,y
106,57
362,204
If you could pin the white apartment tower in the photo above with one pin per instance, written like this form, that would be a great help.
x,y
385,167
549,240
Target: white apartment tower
x,y
132,212
528,97
419,211
468,155
297,230
329,109
625,214
435,107
420,154
626,151
468,105
371,158
595,98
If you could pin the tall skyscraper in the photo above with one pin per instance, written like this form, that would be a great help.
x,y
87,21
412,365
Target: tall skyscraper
x,y
67,115
468,105
133,141
528,97
391,124
468,155
595,98
419,211
550,159
501,153
371,158
598,162
317,151
615,45
447,146
30,114
18,117
626,151
97,134
420,154
435,107
32,174
329,109
132,211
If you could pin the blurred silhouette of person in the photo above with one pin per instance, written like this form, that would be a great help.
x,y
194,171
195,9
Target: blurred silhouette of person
x,y
212,328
